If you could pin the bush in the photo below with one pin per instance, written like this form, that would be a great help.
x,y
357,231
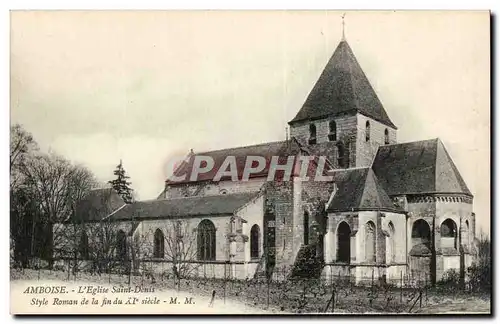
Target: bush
x,y
480,272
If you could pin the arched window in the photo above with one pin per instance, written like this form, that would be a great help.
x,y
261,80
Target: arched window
x,y
84,246
370,242
391,244
121,245
255,242
386,136
367,130
332,135
206,240
159,244
343,243
312,134
306,228
449,234
341,161
421,233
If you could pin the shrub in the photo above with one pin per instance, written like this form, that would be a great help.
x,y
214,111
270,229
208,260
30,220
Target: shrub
x,y
479,273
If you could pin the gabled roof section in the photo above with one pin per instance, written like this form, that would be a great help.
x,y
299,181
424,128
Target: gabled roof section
x,y
342,88
282,149
359,189
97,204
422,167
184,207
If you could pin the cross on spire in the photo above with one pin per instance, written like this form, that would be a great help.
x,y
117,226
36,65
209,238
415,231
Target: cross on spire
x,y
343,27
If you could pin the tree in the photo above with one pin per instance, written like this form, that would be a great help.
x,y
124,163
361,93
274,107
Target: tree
x,y
21,144
23,209
55,185
121,185
180,248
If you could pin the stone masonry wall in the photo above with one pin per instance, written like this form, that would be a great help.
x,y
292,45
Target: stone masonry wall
x,y
345,125
208,188
279,196
366,151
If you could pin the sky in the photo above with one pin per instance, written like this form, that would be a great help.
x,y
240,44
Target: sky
x,y
147,86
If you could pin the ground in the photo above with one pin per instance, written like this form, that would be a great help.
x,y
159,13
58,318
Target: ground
x,y
250,297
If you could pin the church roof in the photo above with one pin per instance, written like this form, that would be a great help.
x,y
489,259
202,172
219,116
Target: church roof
x,y
342,88
359,189
267,150
97,204
188,206
418,168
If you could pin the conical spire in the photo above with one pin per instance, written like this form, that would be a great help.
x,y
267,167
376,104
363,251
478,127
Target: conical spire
x,y
342,88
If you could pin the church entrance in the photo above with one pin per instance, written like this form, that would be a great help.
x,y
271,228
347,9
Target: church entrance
x,y
270,242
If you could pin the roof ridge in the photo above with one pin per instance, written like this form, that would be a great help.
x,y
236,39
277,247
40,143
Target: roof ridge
x,y
205,196
409,142
435,162
363,182
241,147
351,76
349,169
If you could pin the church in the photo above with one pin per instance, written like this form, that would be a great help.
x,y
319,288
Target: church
x,y
390,209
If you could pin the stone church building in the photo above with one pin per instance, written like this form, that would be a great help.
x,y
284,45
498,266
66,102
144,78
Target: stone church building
x,y
391,209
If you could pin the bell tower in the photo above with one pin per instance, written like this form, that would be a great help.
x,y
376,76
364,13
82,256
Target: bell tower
x,y
342,117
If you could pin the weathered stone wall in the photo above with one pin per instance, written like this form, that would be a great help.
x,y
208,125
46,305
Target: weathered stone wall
x,y
366,150
279,198
350,129
458,209
222,229
345,126
346,132
209,188
400,252
435,209
253,213
334,219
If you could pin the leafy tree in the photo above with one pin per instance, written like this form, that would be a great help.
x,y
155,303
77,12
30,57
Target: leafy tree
x,y
121,185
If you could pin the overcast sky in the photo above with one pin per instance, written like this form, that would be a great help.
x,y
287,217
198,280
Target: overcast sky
x,y
98,87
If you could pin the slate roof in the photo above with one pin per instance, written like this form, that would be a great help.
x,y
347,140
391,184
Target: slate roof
x,y
359,189
421,167
342,88
282,149
188,206
97,204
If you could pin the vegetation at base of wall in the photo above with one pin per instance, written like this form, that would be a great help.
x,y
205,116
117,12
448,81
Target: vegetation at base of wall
x,y
480,271
477,278
307,264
